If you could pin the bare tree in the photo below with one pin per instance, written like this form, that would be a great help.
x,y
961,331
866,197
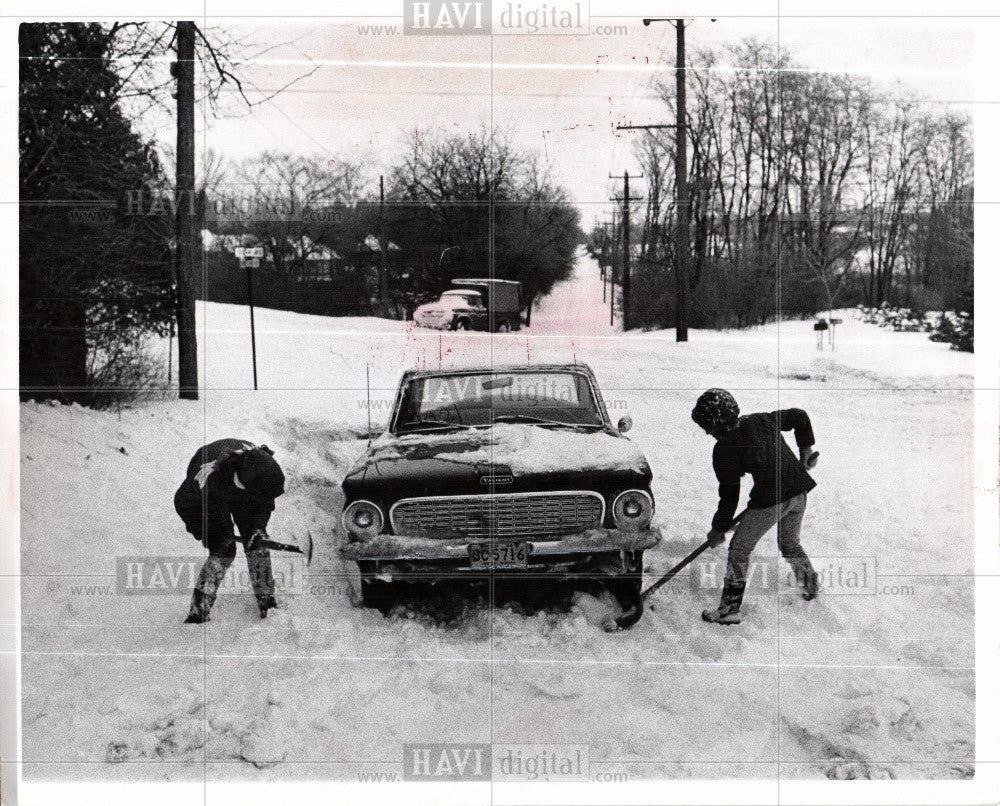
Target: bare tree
x,y
804,183
294,204
825,116
940,257
892,174
654,152
494,200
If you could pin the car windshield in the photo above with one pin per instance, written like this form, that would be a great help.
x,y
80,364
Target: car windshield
x,y
460,401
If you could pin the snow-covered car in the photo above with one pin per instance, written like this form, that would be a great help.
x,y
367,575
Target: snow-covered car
x,y
499,471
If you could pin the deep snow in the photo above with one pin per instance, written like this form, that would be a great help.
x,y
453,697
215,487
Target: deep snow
x,y
115,687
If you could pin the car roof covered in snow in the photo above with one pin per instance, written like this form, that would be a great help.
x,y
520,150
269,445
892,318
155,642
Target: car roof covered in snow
x,y
498,369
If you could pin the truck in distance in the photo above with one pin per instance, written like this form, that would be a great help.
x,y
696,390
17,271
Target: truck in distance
x,y
474,304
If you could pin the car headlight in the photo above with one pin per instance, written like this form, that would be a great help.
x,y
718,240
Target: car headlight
x,y
632,510
362,520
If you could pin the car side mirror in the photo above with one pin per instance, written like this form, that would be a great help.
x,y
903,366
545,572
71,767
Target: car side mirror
x,y
625,424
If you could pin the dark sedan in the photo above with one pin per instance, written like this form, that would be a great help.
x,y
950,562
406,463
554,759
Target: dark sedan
x,y
499,471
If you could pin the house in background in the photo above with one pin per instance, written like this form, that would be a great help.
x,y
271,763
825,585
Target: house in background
x,y
312,262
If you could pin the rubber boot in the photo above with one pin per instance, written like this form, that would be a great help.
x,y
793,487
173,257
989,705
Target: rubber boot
x,y
265,604
806,577
262,579
200,607
728,611
207,588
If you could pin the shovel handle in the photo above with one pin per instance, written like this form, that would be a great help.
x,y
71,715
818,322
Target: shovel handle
x,y
663,580
276,546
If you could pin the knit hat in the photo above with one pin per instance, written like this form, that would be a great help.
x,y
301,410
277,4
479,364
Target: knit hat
x,y
716,411
260,474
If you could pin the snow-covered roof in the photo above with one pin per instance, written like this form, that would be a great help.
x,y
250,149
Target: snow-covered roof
x,y
323,252
371,242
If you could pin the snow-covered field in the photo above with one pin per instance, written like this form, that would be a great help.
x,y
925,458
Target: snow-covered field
x,y
875,685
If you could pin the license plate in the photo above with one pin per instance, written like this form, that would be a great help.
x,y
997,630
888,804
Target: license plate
x,y
489,556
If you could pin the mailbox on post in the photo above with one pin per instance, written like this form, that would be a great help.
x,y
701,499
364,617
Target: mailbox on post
x,y
822,326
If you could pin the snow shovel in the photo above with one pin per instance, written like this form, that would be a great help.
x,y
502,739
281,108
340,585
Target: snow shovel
x,y
634,613
307,551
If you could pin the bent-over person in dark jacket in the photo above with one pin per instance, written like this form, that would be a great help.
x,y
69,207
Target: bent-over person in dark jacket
x,y
753,444
230,481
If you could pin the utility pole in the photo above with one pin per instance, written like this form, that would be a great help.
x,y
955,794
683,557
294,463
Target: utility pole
x,y
627,256
383,274
683,245
614,263
627,247
604,260
187,345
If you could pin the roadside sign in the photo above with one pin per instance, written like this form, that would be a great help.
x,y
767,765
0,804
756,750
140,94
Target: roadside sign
x,y
250,263
253,251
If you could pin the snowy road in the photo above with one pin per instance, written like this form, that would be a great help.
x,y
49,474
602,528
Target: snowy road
x,y
879,684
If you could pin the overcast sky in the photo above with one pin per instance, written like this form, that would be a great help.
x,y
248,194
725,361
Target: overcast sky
x,y
562,95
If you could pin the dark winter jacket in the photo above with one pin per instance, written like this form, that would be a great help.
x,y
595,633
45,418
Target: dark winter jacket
x,y
232,475
755,445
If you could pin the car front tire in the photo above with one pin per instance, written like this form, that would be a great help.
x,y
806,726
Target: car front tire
x,y
376,593
627,588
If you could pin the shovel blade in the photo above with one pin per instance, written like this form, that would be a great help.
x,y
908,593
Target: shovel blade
x,y
307,551
626,619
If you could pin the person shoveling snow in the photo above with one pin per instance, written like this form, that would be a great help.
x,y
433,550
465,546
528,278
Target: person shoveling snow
x,y
230,480
753,444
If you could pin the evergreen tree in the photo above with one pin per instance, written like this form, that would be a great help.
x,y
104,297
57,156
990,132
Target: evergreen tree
x,y
95,272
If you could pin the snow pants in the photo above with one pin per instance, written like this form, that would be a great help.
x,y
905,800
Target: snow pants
x,y
213,526
754,524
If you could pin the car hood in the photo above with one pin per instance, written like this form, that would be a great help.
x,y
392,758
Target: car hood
x,y
506,457
443,305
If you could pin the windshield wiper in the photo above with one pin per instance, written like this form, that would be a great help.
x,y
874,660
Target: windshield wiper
x,y
415,425
527,418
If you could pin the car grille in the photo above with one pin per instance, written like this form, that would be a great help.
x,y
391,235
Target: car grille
x,y
538,516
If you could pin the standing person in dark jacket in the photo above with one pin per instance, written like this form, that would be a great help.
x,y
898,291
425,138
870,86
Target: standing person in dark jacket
x,y
753,444
230,480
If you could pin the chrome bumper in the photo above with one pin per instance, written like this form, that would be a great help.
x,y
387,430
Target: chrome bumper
x,y
434,324
389,548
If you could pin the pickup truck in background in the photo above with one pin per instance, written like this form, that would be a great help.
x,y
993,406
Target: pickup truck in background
x,y
474,304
